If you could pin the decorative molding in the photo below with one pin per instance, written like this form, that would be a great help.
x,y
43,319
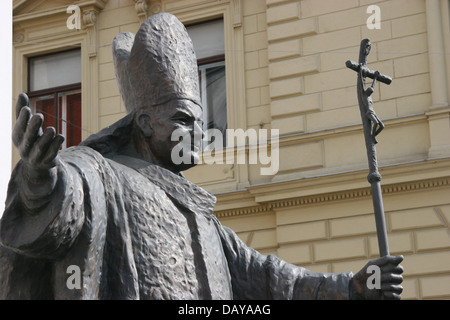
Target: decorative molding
x,y
155,7
19,37
437,70
141,8
91,10
85,5
265,208
89,17
98,4
363,193
237,13
270,207
17,4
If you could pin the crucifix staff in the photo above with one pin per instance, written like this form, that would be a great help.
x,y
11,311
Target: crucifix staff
x,y
372,126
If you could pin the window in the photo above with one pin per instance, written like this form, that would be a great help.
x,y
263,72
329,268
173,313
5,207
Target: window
x,y
208,39
55,91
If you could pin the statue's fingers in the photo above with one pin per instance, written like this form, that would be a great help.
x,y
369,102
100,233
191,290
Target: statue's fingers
x,y
21,126
392,269
389,260
52,150
391,278
32,132
39,149
388,295
393,266
22,101
391,291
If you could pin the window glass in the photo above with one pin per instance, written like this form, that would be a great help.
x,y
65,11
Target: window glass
x,y
55,70
214,99
70,117
46,106
63,114
208,40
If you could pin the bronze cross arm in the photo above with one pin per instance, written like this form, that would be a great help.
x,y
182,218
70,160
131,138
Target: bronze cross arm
x,y
367,72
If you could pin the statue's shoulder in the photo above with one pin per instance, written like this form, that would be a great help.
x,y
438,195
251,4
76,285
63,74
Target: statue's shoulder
x,y
81,154
134,171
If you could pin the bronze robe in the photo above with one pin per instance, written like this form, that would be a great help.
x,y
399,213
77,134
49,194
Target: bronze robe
x,y
136,231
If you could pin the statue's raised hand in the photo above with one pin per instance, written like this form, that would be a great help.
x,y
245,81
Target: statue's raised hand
x,y
37,148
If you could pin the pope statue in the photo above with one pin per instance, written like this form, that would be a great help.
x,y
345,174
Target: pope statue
x,y
119,210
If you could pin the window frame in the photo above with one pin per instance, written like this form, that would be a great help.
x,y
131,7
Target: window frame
x,y
45,55
220,58
232,15
204,96
55,91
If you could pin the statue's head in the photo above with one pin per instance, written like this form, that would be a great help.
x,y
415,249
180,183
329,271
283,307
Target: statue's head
x,y
365,47
157,74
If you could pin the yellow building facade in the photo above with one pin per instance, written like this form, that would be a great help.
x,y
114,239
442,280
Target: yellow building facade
x,y
285,69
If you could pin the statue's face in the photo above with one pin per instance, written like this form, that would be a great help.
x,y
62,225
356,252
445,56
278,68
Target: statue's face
x,y
366,45
185,118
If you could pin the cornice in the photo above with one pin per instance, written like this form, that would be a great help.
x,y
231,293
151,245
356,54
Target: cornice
x,y
394,173
397,179
86,5
265,208
271,207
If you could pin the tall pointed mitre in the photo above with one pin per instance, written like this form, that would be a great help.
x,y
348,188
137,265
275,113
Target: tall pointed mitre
x,y
156,65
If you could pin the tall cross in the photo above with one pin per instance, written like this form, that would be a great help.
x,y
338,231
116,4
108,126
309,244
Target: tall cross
x,y
372,126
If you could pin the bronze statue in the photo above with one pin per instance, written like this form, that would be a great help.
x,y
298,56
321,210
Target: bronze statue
x,y
120,210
